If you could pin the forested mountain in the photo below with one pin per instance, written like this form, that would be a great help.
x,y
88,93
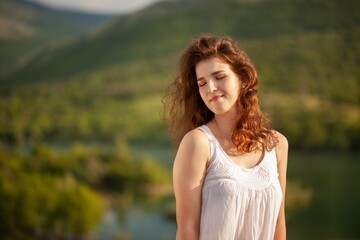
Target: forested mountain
x,y
111,81
27,29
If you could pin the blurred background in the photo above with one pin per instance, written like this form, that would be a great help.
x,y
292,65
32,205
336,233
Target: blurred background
x,y
83,152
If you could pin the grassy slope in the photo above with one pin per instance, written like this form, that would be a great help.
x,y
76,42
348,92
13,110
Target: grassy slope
x,y
25,28
305,53
319,34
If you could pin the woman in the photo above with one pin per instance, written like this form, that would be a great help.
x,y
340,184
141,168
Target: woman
x,y
229,172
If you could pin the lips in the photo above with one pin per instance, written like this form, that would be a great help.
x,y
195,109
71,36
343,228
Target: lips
x,y
215,98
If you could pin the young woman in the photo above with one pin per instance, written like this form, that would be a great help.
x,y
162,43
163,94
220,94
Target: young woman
x,y
229,172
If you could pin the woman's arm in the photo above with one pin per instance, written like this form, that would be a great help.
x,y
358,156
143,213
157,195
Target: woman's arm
x,y
282,156
188,176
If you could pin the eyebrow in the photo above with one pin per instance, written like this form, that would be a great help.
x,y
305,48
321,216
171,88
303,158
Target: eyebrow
x,y
212,74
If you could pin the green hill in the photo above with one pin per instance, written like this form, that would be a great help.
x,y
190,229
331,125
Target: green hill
x,y
110,82
26,29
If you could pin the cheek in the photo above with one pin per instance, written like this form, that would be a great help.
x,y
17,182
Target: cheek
x,y
202,94
236,86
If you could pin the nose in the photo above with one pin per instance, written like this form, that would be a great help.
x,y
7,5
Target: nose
x,y
211,86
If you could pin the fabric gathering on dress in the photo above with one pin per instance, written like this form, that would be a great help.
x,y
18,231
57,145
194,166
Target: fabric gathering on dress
x,y
239,203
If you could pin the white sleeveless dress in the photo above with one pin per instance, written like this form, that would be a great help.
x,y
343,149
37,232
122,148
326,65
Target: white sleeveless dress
x,y
239,203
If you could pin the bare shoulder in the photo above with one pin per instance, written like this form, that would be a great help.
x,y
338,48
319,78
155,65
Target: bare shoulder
x,y
282,148
194,144
195,137
283,142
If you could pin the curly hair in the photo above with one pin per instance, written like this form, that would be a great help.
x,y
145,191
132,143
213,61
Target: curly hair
x,y
184,109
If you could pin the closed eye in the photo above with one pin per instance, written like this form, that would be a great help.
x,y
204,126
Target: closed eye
x,y
219,77
202,84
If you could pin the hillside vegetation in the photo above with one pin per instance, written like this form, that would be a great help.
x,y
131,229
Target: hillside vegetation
x,y
28,30
110,83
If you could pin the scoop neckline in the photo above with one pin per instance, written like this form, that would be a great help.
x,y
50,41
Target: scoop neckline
x,y
253,168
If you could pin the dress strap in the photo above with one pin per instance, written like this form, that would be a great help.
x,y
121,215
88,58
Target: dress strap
x,y
212,140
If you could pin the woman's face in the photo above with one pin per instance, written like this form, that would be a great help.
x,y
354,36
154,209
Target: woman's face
x,y
219,86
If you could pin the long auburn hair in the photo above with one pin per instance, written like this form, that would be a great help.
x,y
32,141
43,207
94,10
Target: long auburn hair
x,y
184,109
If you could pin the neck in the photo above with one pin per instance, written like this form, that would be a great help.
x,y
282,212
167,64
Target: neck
x,y
226,123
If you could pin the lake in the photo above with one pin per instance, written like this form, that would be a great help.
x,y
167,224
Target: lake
x,y
139,224
332,213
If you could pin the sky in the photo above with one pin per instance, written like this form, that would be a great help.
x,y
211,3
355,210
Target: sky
x,y
97,6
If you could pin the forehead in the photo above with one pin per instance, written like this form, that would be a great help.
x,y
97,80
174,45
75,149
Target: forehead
x,y
208,66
